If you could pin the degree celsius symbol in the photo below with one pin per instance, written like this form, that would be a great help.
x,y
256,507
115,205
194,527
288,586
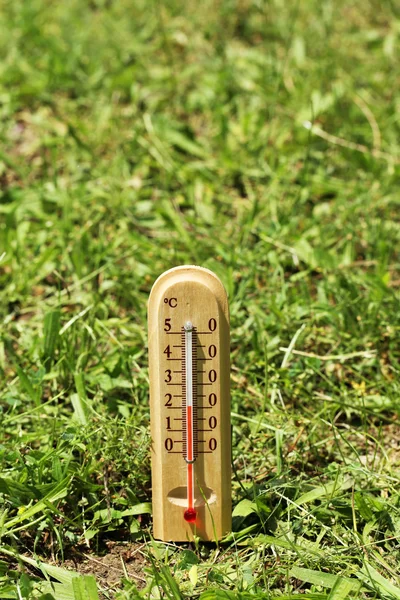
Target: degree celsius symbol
x,y
172,302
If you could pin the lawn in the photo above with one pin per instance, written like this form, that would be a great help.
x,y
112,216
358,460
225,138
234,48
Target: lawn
x,y
259,139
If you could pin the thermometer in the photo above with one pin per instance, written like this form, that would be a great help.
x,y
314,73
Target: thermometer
x,y
190,405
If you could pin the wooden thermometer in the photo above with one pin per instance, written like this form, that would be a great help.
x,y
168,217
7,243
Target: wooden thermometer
x,y
190,405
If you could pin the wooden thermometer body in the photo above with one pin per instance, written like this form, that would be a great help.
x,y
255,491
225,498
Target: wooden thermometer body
x,y
190,405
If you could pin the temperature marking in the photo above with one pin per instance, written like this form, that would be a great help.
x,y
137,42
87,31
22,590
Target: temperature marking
x,y
179,333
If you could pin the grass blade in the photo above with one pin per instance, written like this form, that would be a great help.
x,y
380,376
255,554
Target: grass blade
x,y
51,335
327,580
85,588
372,577
325,490
342,588
80,408
59,491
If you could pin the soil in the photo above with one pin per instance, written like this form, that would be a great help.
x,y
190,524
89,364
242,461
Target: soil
x,y
120,561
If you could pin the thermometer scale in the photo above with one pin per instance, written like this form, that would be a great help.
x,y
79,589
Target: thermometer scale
x,y
190,405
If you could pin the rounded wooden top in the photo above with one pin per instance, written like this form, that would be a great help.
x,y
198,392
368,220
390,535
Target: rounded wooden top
x,y
187,273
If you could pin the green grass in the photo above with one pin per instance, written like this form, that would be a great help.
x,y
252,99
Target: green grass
x,y
137,136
